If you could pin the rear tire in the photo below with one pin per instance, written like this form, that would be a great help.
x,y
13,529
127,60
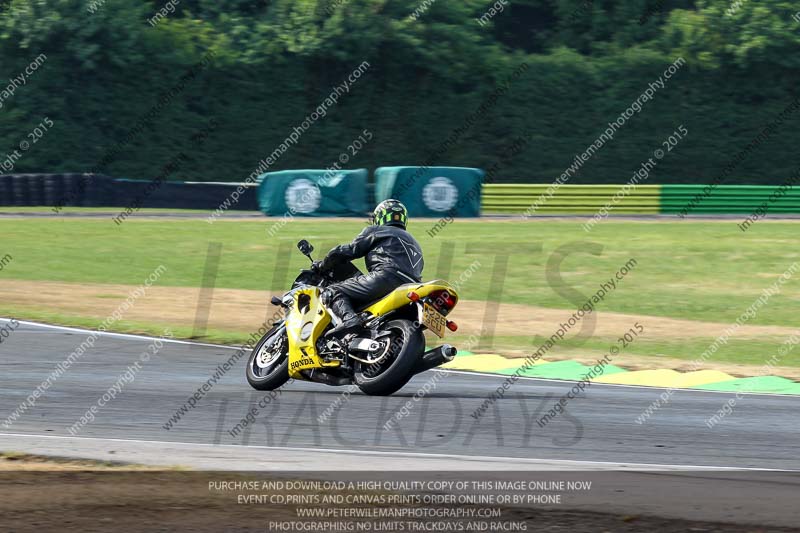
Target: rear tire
x,y
268,364
398,369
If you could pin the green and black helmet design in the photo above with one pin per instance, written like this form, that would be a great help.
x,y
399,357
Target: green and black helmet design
x,y
390,213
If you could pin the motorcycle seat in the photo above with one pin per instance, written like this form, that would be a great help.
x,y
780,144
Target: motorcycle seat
x,y
399,295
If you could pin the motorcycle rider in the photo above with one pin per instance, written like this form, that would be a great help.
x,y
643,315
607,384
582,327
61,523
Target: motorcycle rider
x,y
393,257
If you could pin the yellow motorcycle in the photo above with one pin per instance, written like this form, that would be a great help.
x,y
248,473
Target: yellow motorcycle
x,y
379,358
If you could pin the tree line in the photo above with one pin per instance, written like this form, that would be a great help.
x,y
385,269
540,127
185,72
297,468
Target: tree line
x,y
110,63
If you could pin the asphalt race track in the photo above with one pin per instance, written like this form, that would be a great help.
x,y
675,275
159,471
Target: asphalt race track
x,y
598,431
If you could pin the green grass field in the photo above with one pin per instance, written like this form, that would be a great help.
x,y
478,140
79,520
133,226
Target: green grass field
x,y
701,271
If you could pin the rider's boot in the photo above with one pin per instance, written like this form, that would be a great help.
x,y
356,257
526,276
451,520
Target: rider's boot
x,y
343,310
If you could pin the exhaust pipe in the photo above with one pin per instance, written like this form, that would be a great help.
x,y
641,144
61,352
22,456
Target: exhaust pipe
x,y
436,357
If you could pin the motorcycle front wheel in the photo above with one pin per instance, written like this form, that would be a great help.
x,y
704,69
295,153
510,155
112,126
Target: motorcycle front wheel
x,y
268,365
406,345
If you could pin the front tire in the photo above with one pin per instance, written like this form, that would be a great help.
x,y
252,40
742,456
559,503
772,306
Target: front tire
x,y
268,364
391,375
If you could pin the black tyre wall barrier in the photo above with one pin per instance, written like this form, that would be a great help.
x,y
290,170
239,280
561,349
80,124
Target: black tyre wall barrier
x,y
19,187
5,190
86,190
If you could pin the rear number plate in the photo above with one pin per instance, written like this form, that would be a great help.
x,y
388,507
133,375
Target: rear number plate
x,y
433,319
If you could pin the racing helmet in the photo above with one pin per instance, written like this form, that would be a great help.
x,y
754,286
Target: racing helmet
x,y
390,212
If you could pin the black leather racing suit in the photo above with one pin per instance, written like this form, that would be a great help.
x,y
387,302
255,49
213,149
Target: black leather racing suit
x,y
393,257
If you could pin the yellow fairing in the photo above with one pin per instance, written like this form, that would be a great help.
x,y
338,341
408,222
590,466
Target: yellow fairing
x,y
307,319
399,297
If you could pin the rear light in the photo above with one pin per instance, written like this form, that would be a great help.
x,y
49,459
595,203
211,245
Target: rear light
x,y
413,296
452,326
443,301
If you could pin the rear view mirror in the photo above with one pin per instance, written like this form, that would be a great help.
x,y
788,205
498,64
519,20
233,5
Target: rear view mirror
x,y
305,247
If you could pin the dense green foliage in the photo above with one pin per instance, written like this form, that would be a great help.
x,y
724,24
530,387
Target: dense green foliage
x,y
107,79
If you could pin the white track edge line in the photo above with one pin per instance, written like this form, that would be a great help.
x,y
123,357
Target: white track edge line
x,y
447,370
121,335
420,455
622,385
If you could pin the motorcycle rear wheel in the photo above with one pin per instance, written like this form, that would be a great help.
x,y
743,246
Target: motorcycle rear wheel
x,y
391,375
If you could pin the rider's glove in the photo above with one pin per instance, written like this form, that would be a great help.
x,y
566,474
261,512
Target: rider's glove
x,y
327,264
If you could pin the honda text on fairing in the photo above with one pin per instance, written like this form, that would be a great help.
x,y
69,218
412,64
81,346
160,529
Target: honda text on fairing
x,y
380,356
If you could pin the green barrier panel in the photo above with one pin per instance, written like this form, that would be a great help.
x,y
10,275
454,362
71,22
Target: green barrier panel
x,y
432,191
744,199
314,193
